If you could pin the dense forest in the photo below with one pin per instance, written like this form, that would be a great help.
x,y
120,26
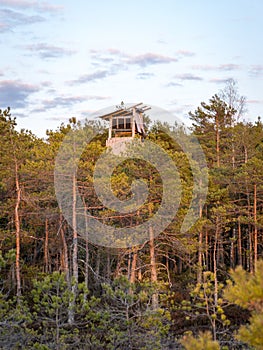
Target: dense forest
x,y
200,289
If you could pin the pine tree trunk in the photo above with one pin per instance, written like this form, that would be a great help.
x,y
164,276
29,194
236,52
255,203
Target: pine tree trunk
x,y
153,267
239,244
255,228
46,258
87,265
217,142
108,267
17,226
232,249
129,266
207,255
87,249
250,247
65,252
133,266
200,247
97,269
245,155
75,233
215,260
74,282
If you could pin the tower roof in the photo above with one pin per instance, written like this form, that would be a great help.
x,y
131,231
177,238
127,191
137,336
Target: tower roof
x,y
125,111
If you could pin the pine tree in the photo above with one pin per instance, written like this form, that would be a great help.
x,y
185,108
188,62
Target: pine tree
x,y
246,290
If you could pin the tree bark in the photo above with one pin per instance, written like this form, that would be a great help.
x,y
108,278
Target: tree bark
x,y
46,257
250,253
153,267
74,282
232,249
217,142
65,252
239,244
133,266
17,226
200,246
215,259
75,233
108,267
255,228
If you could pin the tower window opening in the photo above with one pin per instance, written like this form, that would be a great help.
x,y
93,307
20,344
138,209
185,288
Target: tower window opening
x,y
121,123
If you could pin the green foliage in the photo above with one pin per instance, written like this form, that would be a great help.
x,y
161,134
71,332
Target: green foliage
x,y
51,304
246,290
15,323
118,314
252,334
132,321
206,303
203,342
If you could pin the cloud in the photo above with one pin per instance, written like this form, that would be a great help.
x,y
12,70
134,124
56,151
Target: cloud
x,y
220,80
204,67
173,84
34,5
49,51
142,60
144,75
106,56
188,76
65,102
46,83
185,53
256,70
45,7
92,77
109,51
17,3
14,93
10,19
21,115
149,58
161,41
254,101
4,27
112,61
229,67
222,67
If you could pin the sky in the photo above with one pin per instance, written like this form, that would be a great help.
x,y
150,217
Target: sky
x,y
65,58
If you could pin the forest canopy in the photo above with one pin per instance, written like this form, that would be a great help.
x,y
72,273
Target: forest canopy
x,y
176,290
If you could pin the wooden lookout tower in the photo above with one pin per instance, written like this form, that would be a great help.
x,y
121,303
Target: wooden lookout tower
x,y
125,123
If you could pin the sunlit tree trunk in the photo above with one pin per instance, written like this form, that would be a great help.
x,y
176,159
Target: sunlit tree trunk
x,y
239,244
153,266
17,226
65,252
217,232
133,266
232,249
255,227
74,281
200,247
217,141
250,247
46,257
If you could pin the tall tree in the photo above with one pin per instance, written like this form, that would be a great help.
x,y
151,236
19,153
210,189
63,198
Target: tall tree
x,y
211,123
15,150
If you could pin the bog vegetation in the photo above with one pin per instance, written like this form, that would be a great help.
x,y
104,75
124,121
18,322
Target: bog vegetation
x,y
199,290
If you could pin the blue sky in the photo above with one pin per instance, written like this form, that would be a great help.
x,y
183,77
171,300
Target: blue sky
x,y
65,58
